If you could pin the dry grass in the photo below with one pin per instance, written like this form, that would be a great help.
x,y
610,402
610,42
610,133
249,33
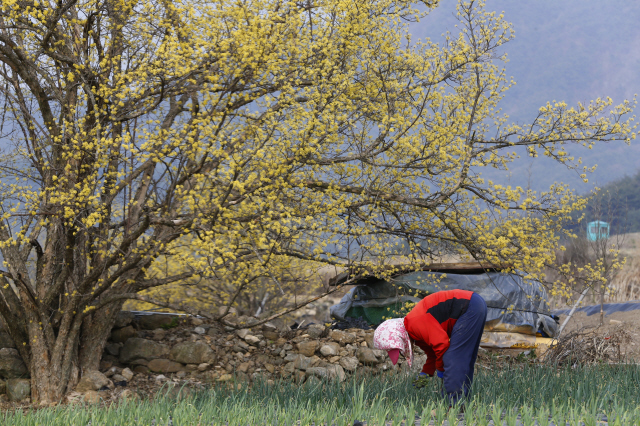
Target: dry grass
x,y
590,346
626,285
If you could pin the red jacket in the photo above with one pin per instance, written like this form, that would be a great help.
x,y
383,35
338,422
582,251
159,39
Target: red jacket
x,y
430,323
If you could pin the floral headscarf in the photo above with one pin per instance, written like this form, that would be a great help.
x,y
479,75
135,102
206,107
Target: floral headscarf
x,y
390,335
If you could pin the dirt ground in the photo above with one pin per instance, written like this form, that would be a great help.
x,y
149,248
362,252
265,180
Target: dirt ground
x,y
629,320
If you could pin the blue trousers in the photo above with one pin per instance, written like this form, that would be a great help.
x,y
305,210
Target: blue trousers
x,y
460,358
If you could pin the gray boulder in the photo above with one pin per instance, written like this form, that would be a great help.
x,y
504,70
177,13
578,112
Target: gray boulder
x,y
343,337
307,348
161,365
123,319
136,347
93,380
336,372
11,365
279,324
112,349
366,356
153,321
330,349
349,363
121,335
18,389
192,353
317,372
270,331
302,362
315,331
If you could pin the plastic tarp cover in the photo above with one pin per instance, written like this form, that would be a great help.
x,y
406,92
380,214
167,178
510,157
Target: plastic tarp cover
x,y
514,305
609,308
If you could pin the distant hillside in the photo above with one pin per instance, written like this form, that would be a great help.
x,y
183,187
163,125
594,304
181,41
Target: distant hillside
x,y
619,203
569,50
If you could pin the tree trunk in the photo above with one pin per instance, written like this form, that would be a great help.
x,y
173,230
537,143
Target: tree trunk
x,y
56,366
95,332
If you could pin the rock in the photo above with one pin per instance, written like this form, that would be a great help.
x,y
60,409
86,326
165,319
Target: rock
x,y
366,356
243,367
162,365
330,349
199,330
238,348
127,374
159,334
336,372
93,380
307,348
299,376
302,362
91,397
242,333
6,341
112,349
139,361
252,340
269,367
271,334
121,335
136,347
279,324
192,353
380,354
225,378
315,360
18,389
196,321
315,331
11,365
343,337
123,319
112,371
317,372
369,339
153,321
349,363
289,369
118,378
142,369
244,320
291,357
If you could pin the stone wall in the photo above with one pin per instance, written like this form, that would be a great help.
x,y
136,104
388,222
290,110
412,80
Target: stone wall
x,y
161,348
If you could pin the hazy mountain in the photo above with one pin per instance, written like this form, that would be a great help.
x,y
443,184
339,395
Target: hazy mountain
x,y
568,50
618,203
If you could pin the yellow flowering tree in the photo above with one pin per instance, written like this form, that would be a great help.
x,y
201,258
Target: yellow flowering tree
x,y
229,136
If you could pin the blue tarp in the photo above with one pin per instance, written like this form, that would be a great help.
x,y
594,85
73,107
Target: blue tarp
x,y
609,308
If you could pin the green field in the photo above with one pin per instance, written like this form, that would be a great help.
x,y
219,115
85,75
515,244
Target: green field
x,y
583,395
